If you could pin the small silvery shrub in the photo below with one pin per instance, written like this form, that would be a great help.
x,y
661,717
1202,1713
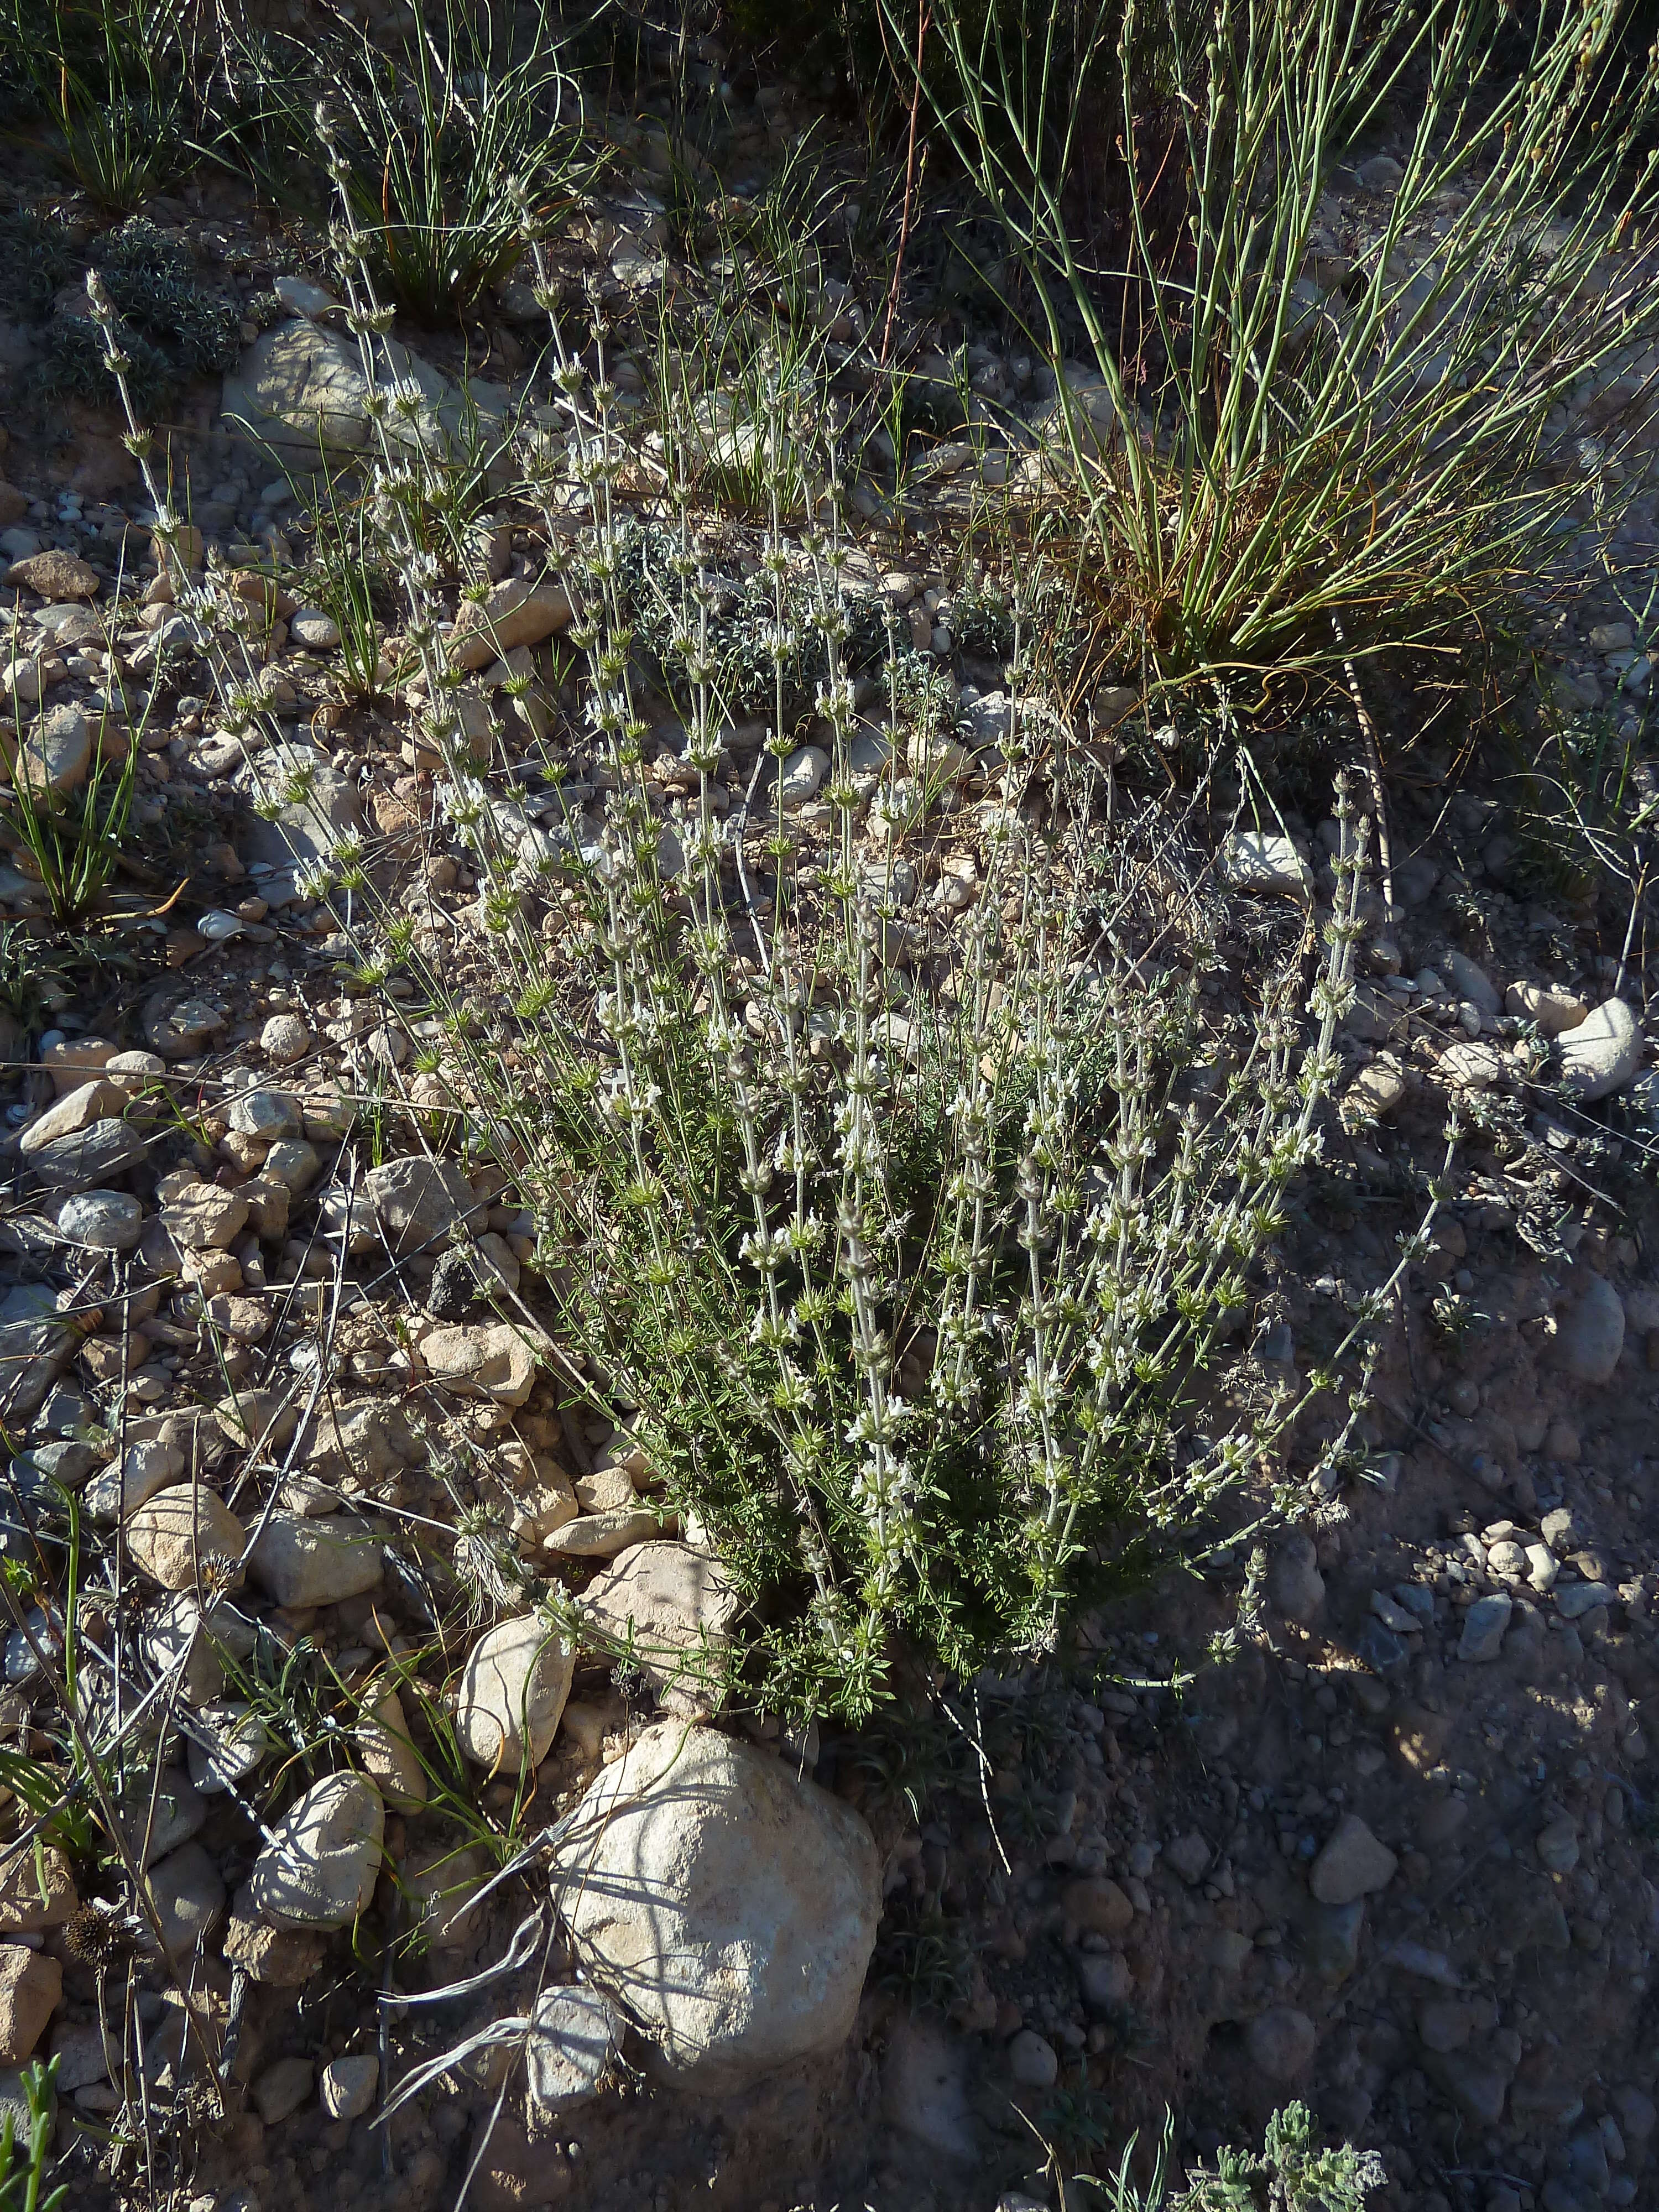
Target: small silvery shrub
x,y
911,1237
1289,2174
915,1284
174,330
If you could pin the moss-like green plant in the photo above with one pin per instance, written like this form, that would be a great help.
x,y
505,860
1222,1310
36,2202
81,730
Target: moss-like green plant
x,y
23,2188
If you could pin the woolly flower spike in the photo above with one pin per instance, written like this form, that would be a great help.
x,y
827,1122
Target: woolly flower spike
x,y
103,307
465,802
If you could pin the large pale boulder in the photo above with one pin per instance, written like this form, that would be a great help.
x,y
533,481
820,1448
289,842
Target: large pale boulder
x,y
732,1905
498,1361
1603,1053
301,385
516,613
1590,1335
31,1989
296,833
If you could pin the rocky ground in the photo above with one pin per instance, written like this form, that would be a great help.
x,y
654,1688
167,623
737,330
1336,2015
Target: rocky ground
x,y
1392,1854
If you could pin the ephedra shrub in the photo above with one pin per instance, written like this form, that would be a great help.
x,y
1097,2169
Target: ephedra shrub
x,y
1289,446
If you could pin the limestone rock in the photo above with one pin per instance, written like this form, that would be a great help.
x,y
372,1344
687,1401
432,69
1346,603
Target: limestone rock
x,y
55,758
513,1694
56,575
1470,1065
264,1418
1281,2042
1376,1090
544,1497
228,1745
1382,175
1295,1584
925,2085
1484,1625
283,2088
516,612
284,1039
269,1115
102,1221
389,1757
1099,1907
181,1030
299,387
1469,981
188,1897
418,1201
1260,862
301,832
143,1469
77,1109
1554,1010
1033,2061
201,1217
1602,1054
1558,1845
1476,2088
281,1958
677,1606
347,2089
439,1888
497,1362
299,1561
1107,1983
320,1867
89,1158
80,2053
1591,1335
607,1490
1189,1856
365,1442
1376,1017
36,1891
177,1813
575,2036
33,1355
1574,1599
317,631
1352,1865
602,1535
176,1531
31,1991
735,1905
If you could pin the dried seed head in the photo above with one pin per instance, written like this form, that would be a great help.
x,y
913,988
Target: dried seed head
x,y
101,1934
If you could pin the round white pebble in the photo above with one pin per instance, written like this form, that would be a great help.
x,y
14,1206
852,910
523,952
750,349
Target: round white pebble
x,y
284,1038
